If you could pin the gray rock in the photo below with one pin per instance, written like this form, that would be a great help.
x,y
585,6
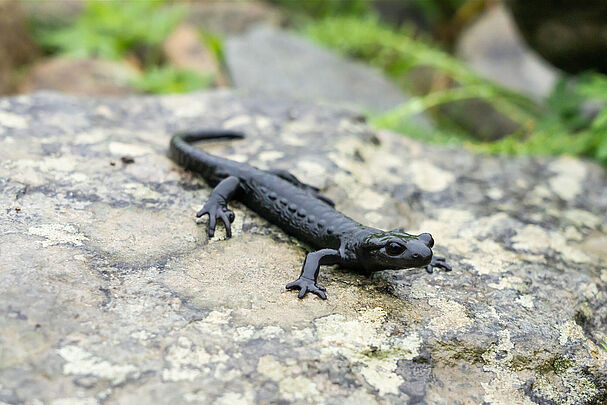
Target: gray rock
x,y
493,47
270,60
111,293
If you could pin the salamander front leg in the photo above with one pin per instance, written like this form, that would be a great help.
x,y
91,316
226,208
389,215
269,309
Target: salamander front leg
x,y
217,205
438,262
309,273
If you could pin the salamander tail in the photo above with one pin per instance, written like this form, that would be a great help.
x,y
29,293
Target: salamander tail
x,y
195,159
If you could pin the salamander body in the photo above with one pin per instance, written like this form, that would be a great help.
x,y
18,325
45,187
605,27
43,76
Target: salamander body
x,y
300,210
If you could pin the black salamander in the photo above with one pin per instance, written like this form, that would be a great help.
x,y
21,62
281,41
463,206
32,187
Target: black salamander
x,y
300,210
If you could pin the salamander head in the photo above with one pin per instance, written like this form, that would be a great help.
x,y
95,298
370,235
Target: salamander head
x,y
395,250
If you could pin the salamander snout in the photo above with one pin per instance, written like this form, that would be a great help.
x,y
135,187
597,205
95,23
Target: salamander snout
x,y
418,253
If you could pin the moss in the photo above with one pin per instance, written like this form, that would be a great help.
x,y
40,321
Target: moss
x,y
540,364
453,353
560,364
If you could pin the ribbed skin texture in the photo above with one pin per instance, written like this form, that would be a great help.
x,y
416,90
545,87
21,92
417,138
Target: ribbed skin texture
x,y
296,211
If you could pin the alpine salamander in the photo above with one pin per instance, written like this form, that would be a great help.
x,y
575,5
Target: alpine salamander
x,y
300,210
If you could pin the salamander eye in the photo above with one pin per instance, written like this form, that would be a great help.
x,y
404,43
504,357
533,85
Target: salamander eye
x,y
394,249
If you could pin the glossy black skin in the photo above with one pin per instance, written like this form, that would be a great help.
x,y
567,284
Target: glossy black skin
x,y
301,211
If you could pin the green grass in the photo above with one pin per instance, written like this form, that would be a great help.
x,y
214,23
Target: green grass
x,y
554,128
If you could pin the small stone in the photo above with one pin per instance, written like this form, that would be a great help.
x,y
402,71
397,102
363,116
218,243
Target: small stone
x,y
184,49
81,77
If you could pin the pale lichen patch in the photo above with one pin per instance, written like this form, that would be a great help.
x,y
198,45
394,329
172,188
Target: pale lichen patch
x,y
429,177
310,172
511,282
532,238
58,164
421,289
453,316
90,137
271,368
371,200
142,335
374,218
10,120
299,388
569,178
186,361
489,257
141,191
71,401
583,218
238,157
81,362
235,398
526,301
270,155
239,121
380,373
55,234
495,193
506,386
130,149
570,332
362,340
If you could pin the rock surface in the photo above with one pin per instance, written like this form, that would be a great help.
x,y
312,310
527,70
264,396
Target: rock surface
x,y
270,60
111,293
493,47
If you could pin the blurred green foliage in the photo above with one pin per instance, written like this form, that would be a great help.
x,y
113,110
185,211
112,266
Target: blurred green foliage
x,y
560,126
567,126
116,29
111,29
325,8
397,53
167,79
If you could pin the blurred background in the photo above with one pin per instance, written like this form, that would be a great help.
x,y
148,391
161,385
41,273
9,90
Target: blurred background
x,y
509,77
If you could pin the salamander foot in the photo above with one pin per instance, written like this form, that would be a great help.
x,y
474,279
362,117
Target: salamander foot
x,y
217,209
438,262
306,285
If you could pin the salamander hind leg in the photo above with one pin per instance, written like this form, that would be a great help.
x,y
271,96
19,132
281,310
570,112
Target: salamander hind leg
x,y
217,205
